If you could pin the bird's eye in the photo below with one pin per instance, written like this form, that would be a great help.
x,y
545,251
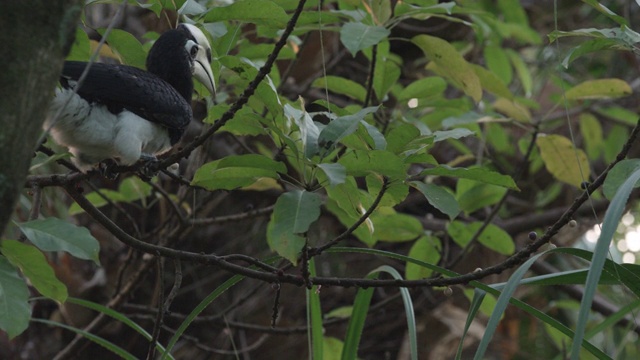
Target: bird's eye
x,y
194,51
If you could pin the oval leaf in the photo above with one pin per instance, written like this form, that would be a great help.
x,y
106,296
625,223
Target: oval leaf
x,y
292,215
233,172
426,249
14,307
53,234
491,237
599,89
439,198
562,160
358,36
476,173
261,12
34,266
451,64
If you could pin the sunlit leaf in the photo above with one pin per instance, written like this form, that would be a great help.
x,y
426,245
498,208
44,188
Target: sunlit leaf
x,y
492,236
562,160
599,89
591,131
451,64
426,249
34,266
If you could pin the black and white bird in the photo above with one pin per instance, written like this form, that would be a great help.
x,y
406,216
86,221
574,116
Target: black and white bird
x,y
124,113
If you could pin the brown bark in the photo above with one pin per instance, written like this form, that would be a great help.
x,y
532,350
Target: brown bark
x,y
35,36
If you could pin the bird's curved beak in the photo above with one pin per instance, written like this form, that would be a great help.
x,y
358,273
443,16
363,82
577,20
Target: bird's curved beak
x,y
202,71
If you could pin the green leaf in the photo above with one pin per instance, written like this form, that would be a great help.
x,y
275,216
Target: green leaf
x,y
81,48
451,64
480,174
237,171
335,173
423,88
332,348
594,45
378,141
491,82
343,86
381,10
391,226
260,12
426,249
524,75
292,215
343,126
34,266
498,63
309,131
606,12
361,163
591,131
14,295
618,175
599,89
613,144
512,109
127,47
399,137
131,189
357,36
491,237
455,134
439,198
52,234
473,195
562,160
385,76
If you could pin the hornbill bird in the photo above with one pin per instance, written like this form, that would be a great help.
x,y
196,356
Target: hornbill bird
x,y
124,113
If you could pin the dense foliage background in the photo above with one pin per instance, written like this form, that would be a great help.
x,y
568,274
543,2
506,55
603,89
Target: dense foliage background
x,y
366,173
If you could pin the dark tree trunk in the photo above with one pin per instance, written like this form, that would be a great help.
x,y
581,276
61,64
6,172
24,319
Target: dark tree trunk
x,y
34,38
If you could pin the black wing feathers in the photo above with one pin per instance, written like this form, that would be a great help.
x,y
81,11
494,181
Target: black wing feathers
x,y
125,87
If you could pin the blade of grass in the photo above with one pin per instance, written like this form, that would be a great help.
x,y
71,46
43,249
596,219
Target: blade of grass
x,y
198,309
478,296
519,304
361,308
117,316
122,353
609,226
314,318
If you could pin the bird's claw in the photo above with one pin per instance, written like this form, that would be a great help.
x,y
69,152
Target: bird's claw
x,y
148,169
107,169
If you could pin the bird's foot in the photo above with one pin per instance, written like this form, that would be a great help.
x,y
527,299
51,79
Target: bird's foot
x,y
148,169
107,169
